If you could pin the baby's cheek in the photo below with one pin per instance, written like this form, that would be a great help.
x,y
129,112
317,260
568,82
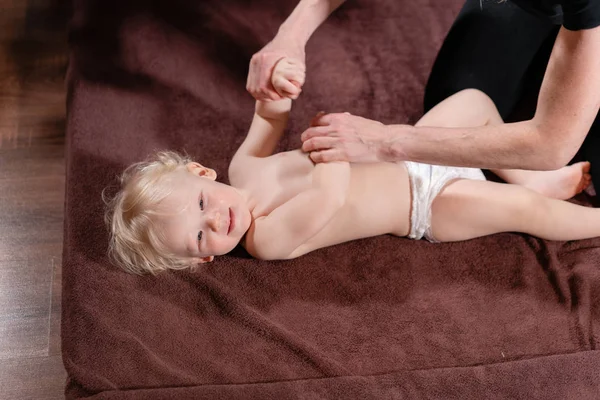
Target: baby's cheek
x,y
223,245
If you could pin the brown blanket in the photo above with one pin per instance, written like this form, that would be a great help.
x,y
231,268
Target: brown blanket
x,y
506,316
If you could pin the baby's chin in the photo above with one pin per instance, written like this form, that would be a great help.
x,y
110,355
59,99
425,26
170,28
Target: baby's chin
x,y
230,248
246,218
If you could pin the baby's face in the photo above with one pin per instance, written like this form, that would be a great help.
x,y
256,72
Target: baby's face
x,y
206,218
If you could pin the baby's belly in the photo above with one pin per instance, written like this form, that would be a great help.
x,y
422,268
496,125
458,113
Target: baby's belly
x,y
378,203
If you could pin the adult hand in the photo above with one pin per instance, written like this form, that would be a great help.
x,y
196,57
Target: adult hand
x,y
262,63
345,137
288,78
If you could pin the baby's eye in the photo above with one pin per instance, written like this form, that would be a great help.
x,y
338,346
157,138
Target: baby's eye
x,y
199,235
201,204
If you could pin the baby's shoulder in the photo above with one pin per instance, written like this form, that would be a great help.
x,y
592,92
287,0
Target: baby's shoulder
x,y
264,242
243,170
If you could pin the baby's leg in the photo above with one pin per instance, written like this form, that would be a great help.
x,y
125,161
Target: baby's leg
x,y
467,209
472,107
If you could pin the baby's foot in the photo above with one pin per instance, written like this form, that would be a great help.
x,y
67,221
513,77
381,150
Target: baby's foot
x,y
562,183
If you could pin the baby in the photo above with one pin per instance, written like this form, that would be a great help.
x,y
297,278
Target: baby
x,y
171,213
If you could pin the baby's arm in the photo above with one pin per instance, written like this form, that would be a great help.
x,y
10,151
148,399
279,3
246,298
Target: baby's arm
x,y
281,234
270,118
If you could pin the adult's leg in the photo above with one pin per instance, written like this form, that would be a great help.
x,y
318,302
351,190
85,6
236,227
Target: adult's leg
x,y
590,151
502,50
467,209
472,107
491,47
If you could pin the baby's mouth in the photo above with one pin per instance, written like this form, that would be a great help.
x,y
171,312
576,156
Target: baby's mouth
x,y
231,222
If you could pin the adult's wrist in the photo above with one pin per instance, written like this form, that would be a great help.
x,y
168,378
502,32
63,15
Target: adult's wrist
x,y
305,19
294,36
393,144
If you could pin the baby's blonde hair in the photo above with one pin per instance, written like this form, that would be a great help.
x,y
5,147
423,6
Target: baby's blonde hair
x,y
136,243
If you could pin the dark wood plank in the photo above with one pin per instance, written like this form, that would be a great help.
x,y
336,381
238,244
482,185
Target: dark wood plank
x,y
33,59
55,309
31,200
32,378
25,293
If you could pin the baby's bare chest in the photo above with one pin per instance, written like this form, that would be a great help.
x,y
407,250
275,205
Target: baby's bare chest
x,y
283,176
280,178
377,198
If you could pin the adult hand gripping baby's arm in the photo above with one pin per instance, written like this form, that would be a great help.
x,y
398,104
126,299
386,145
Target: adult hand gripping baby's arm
x,y
289,42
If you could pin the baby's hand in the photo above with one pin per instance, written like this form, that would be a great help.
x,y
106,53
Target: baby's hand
x,y
288,77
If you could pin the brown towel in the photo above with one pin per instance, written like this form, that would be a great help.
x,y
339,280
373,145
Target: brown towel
x,y
506,316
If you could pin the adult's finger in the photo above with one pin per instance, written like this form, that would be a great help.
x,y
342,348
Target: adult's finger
x,y
314,119
293,96
325,119
295,76
327,156
315,131
260,93
254,74
296,83
263,80
269,94
275,96
286,86
319,143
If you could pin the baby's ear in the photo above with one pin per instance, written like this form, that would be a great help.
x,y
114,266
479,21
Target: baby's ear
x,y
204,260
200,170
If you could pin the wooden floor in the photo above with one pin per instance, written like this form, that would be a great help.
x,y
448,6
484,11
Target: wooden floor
x,y
33,59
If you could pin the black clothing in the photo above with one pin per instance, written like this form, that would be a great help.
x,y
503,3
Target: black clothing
x,y
503,50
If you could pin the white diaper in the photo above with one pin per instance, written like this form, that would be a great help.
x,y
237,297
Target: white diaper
x,y
426,182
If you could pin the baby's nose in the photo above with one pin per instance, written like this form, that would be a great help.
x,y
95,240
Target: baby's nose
x,y
214,221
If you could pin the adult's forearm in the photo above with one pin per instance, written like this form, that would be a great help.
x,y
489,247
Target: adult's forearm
x,y
306,18
507,146
567,106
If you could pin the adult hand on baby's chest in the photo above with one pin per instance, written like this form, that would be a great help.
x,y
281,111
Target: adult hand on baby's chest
x,y
344,137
